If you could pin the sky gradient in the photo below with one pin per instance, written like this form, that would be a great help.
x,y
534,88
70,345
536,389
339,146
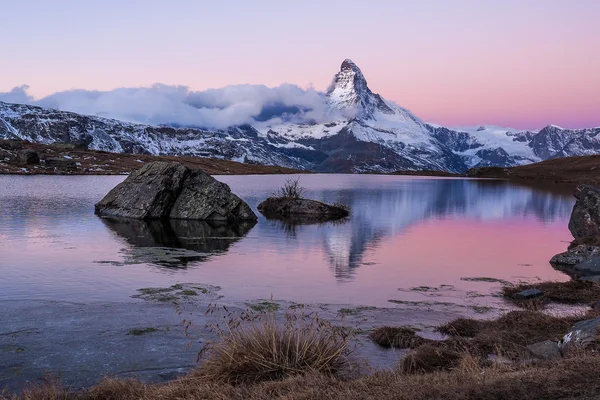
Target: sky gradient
x,y
520,64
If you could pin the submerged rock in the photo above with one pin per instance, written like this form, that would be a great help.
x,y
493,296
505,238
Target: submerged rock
x,y
584,223
301,210
528,294
171,190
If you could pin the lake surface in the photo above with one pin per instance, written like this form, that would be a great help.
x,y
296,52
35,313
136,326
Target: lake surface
x,y
409,239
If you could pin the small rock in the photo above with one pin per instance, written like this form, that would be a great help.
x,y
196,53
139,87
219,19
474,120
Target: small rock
x,y
546,350
528,294
302,210
29,157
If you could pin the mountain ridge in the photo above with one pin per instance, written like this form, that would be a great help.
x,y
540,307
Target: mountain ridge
x,y
363,133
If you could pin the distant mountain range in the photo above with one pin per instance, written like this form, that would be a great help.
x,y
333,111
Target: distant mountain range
x,y
365,133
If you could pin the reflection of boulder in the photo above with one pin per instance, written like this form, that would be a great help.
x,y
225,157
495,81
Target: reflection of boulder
x,y
174,243
172,190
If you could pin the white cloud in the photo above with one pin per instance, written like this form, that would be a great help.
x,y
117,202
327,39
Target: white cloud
x,y
17,95
178,105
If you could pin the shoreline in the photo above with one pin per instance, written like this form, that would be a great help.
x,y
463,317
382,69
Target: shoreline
x,y
67,159
82,343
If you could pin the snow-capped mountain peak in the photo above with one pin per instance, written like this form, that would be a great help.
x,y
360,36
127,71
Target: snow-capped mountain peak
x,y
349,91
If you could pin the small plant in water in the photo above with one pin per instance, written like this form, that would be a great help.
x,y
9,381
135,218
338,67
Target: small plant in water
x,y
291,189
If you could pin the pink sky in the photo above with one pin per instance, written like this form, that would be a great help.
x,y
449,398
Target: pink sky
x,y
521,64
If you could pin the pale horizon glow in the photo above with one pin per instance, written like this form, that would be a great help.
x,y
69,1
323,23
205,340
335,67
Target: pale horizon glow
x,y
522,64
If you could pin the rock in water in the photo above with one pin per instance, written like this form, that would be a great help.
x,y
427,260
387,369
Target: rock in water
x,y
301,209
585,218
171,190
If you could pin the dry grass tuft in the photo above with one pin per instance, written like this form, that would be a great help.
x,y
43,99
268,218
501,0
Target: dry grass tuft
x,y
264,349
428,358
465,327
401,337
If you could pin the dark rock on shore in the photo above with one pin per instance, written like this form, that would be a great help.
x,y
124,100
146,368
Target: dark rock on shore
x,y
301,210
582,335
29,157
576,255
172,190
546,350
585,218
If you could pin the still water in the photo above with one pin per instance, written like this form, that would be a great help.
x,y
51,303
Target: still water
x,y
408,239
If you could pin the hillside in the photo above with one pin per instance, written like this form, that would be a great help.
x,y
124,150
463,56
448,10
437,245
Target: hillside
x,y
68,160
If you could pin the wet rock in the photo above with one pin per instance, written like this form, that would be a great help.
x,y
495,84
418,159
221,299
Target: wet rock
x,y
171,190
582,335
301,209
589,266
546,350
591,278
595,305
528,294
60,163
29,157
576,255
584,223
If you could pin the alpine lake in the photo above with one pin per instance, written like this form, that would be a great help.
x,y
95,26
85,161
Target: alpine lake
x,y
82,297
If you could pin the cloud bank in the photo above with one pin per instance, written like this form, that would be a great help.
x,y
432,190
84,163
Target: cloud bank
x,y
179,106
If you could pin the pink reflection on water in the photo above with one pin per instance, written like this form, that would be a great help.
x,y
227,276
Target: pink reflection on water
x,y
431,253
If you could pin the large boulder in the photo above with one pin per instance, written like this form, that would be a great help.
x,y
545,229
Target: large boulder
x,y
172,190
585,218
301,209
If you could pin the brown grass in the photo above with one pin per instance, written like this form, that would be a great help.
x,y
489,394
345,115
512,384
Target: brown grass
x,y
264,349
429,358
572,378
465,327
401,337
249,366
570,292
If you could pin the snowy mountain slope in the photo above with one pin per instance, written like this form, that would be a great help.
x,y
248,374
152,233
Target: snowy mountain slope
x,y
360,132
